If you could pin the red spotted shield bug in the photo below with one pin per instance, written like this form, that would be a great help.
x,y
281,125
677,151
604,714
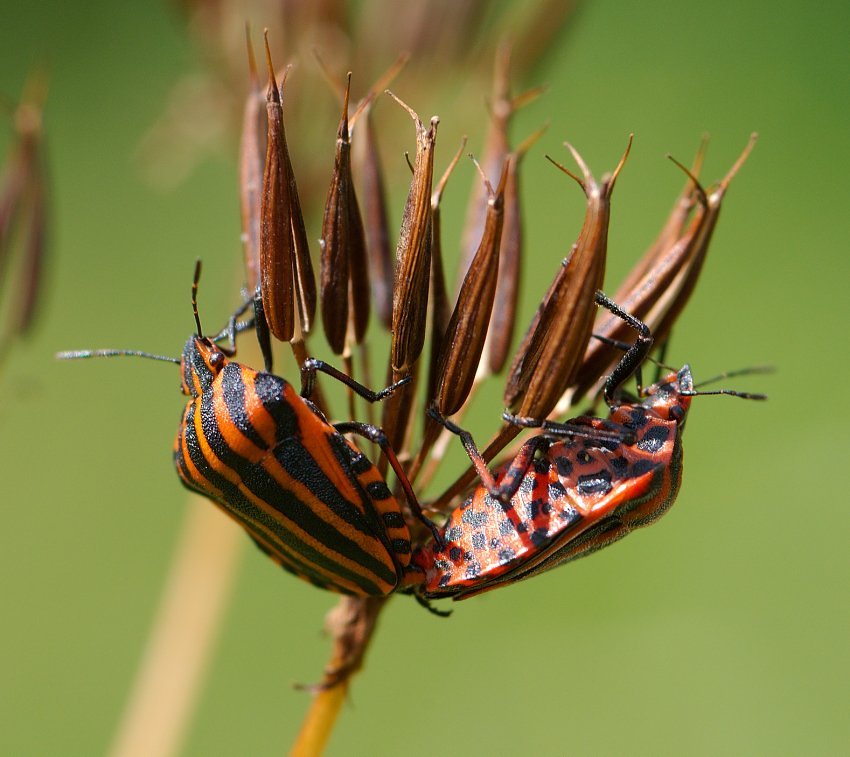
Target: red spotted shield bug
x,y
268,457
573,489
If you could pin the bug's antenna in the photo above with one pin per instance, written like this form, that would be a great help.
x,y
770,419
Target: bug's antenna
x,y
729,392
732,393
756,369
195,280
78,354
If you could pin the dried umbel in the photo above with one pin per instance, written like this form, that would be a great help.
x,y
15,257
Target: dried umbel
x,y
558,361
555,363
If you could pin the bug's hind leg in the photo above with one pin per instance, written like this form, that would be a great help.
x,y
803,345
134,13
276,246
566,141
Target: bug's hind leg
x,y
513,476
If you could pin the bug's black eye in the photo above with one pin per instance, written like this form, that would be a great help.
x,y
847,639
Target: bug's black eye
x,y
216,359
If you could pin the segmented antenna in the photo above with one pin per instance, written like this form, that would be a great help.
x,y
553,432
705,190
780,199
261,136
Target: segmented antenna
x,y
195,280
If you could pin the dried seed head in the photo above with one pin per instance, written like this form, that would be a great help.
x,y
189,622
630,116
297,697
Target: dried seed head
x,y
464,339
550,354
286,273
252,151
413,252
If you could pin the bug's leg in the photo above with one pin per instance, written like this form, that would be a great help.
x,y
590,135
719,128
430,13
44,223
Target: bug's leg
x,y
312,365
377,436
515,473
235,326
262,327
429,607
630,362
612,432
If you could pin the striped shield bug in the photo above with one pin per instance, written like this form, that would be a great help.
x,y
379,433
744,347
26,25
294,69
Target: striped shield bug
x,y
308,497
571,490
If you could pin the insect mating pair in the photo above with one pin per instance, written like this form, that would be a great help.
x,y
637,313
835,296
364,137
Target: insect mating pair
x,y
317,506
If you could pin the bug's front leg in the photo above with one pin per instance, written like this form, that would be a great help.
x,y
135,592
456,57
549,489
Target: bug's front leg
x,y
312,365
577,428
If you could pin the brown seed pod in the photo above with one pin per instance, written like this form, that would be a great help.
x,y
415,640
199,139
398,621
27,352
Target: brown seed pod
x,y
252,151
502,322
463,343
337,241
550,354
286,273
413,252
440,312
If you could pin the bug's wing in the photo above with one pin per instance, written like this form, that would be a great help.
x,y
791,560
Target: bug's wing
x,y
594,496
321,518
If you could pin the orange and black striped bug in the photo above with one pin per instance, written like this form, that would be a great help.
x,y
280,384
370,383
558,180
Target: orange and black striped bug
x,y
266,455
575,488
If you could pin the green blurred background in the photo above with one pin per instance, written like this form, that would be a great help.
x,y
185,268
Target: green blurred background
x,y
723,630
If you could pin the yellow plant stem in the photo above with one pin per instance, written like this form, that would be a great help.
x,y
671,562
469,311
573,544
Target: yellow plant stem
x,y
182,638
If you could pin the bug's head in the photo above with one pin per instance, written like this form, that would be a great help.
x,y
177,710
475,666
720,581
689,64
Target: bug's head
x,y
201,362
670,398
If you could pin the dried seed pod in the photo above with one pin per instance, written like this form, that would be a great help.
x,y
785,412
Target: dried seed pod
x,y
500,333
440,313
673,229
252,151
639,295
286,273
464,339
276,245
413,252
659,295
359,270
376,222
550,354
662,324
367,161
495,151
339,241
